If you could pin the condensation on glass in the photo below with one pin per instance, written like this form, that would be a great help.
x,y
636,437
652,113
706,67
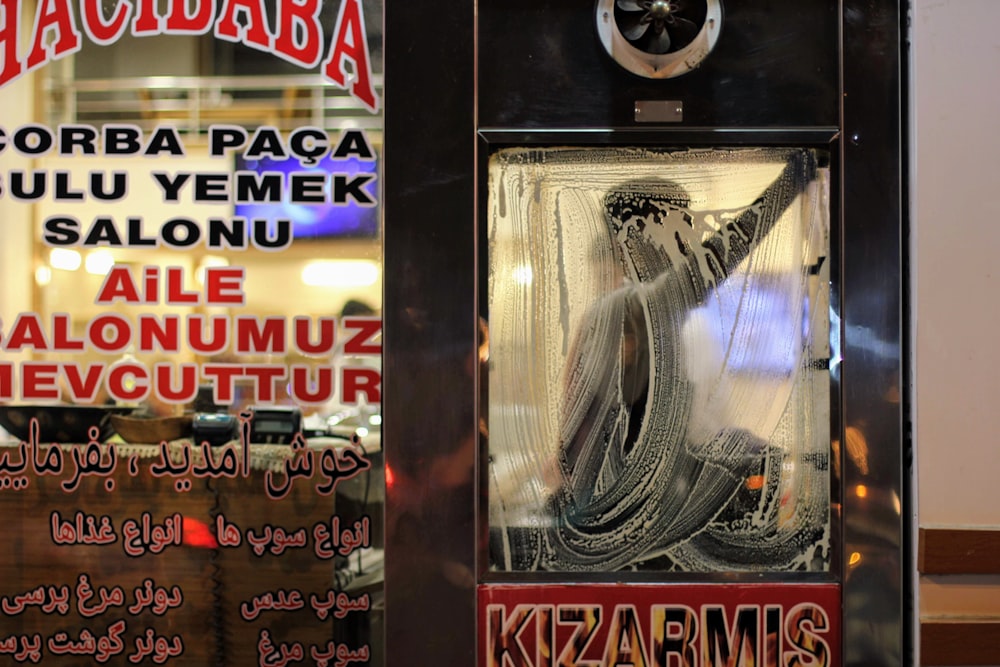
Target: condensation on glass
x,y
659,392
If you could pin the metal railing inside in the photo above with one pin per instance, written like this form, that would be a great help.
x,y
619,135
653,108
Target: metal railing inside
x,y
193,103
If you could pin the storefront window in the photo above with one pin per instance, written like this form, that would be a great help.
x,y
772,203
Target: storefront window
x,y
190,352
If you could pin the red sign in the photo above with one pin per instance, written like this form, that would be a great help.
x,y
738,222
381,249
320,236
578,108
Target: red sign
x,y
659,625
298,36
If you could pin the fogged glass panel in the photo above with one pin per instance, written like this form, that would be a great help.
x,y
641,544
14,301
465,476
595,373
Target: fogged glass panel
x,y
658,368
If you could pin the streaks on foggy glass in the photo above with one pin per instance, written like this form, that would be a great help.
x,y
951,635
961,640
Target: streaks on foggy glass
x,y
653,397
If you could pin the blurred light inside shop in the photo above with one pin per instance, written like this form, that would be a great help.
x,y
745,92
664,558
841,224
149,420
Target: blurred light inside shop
x,y
340,273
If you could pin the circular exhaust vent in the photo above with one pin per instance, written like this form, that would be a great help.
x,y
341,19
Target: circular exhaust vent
x,y
659,39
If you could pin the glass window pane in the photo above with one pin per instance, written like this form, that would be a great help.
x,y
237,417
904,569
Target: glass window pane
x,y
191,468
658,371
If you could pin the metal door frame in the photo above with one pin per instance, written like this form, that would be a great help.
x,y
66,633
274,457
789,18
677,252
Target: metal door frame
x,y
431,393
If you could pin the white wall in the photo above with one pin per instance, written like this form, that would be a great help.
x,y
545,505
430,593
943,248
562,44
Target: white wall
x,y
955,220
956,226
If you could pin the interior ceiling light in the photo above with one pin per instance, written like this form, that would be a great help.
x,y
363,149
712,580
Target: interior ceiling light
x,y
207,262
64,259
43,275
340,273
99,262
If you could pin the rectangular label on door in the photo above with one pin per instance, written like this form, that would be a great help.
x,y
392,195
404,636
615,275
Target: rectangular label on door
x,y
656,625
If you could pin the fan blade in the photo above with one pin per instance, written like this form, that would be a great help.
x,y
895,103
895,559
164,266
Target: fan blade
x,y
630,5
635,27
684,30
660,42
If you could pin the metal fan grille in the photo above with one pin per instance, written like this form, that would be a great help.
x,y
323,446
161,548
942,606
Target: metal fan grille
x,y
659,39
660,26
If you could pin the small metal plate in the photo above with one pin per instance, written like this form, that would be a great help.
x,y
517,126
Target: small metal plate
x,y
659,111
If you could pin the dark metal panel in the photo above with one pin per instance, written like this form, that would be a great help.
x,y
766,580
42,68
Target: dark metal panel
x,y
876,589
775,65
674,136
429,394
430,255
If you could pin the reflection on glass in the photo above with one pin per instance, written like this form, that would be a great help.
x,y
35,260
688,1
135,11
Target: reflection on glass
x,y
159,510
658,384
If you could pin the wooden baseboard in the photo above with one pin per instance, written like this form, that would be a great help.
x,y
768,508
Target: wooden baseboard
x,y
958,551
959,642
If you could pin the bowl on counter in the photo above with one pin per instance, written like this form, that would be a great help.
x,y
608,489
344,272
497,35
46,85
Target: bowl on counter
x,y
151,430
60,423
